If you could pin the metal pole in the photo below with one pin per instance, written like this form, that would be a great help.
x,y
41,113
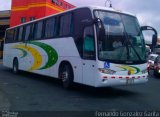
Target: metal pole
x,y
110,3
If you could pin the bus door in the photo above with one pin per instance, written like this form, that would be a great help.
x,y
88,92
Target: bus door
x,y
89,56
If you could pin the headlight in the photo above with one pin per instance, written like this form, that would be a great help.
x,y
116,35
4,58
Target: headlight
x,y
144,71
106,71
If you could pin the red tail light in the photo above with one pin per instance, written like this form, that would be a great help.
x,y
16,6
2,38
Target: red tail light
x,y
156,66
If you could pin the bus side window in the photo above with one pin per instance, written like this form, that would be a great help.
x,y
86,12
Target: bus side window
x,y
88,43
20,33
50,27
16,34
37,33
27,32
65,24
9,36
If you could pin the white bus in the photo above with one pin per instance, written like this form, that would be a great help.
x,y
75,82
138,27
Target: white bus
x,y
80,46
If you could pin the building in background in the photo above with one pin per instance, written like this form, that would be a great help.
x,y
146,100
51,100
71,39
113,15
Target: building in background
x,y
4,24
27,10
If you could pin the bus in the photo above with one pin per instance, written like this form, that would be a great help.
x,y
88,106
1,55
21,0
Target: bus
x,y
1,48
76,46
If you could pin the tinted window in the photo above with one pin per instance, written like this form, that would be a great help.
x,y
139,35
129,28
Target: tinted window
x,y
152,58
65,24
20,33
38,30
50,28
27,32
9,36
16,34
157,59
88,43
80,16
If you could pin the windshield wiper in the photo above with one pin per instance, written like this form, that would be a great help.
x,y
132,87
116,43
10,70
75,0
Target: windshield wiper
x,y
129,43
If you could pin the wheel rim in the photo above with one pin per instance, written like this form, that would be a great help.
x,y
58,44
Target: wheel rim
x,y
64,75
15,68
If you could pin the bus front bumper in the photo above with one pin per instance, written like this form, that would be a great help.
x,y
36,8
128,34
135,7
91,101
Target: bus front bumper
x,y
110,80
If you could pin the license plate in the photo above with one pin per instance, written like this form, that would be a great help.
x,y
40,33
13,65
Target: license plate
x,y
129,81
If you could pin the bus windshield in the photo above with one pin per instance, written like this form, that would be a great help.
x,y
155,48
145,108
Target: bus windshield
x,y
123,41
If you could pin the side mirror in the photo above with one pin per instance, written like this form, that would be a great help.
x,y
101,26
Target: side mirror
x,y
154,40
148,28
154,37
144,28
101,34
101,28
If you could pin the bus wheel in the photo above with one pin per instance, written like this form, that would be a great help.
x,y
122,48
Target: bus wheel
x,y
66,74
15,66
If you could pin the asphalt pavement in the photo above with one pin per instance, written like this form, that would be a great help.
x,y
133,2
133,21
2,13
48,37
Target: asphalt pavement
x,y
4,103
31,92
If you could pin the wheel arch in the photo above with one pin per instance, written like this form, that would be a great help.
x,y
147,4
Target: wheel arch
x,y
15,59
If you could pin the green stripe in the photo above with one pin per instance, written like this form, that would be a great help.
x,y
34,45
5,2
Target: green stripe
x,y
51,53
138,70
23,51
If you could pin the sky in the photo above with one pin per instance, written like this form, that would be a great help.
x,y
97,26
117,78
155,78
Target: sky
x,y
147,11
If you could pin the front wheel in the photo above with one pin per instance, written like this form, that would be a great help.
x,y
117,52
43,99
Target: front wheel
x,y
15,66
156,73
66,74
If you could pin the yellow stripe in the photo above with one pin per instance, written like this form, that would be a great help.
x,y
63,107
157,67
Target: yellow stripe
x,y
20,8
129,68
36,55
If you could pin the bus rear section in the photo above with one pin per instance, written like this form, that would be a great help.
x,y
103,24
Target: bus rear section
x,y
1,48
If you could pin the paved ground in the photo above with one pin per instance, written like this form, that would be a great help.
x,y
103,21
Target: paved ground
x,y
4,103
30,92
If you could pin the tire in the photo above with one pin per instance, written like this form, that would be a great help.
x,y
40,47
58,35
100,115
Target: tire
x,y
66,74
15,66
156,73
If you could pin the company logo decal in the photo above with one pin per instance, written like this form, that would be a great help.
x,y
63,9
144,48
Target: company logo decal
x,y
131,69
37,65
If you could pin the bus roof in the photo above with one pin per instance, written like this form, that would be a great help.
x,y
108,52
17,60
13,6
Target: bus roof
x,y
90,7
110,9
